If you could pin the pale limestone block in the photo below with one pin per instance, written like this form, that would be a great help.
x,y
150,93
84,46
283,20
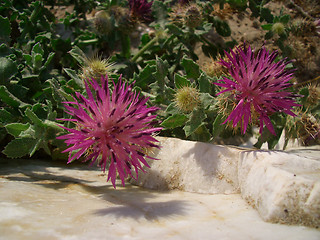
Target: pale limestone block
x,y
283,187
193,167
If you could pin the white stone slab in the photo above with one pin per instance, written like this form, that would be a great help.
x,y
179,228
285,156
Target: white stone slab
x,y
55,201
193,167
283,187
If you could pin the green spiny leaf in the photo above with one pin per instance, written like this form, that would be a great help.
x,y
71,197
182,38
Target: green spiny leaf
x,y
196,119
33,117
5,116
72,73
10,99
78,55
175,30
59,95
37,49
8,68
19,147
49,59
223,28
5,30
205,86
174,121
181,81
172,109
265,14
161,73
192,69
37,61
267,26
201,134
217,128
28,59
285,19
145,76
206,99
16,128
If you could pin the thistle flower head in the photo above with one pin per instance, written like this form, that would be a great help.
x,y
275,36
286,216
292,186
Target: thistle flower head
x,y
123,20
278,28
102,22
193,17
313,98
305,127
187,98
140,10
213,69
95,67
257,85
112,129
187,14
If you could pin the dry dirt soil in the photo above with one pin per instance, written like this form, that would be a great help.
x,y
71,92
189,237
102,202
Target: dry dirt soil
x,y
306,46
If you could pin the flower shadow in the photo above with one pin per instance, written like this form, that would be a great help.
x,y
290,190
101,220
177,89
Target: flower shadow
x,y
206,158
129,201
151,211
136,202
40,172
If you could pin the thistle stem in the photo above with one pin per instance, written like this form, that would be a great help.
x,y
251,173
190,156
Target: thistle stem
x,y
306,82
145,48
52,124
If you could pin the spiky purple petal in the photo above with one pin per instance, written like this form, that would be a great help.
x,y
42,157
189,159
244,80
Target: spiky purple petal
x,y
257,84
111,128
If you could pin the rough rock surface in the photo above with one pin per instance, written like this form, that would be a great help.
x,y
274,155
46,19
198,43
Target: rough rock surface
x,y
45,199
192,167
284,187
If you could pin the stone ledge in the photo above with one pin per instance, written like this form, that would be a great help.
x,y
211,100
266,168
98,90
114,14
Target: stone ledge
x,y
192,167
45,199
283,187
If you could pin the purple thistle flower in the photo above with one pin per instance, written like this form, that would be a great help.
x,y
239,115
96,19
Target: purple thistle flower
x,y
257,86
111,128
140,9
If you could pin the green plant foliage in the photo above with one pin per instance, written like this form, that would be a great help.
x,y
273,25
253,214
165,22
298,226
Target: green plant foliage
x,y
5,30
42,55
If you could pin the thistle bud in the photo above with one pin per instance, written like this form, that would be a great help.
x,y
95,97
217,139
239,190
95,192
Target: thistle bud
x,y
278,28
187,98
304,127
102,22
95,67
213,69
193,16
124,22
314,95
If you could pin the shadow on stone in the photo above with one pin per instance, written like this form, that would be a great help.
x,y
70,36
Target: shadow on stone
x,y
151,211
40,172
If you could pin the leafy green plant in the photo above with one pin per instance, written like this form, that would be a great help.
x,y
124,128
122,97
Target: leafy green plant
x,y
42,59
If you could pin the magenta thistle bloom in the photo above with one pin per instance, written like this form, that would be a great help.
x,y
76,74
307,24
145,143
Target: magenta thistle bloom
x,y
257,86
112,129
140,9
